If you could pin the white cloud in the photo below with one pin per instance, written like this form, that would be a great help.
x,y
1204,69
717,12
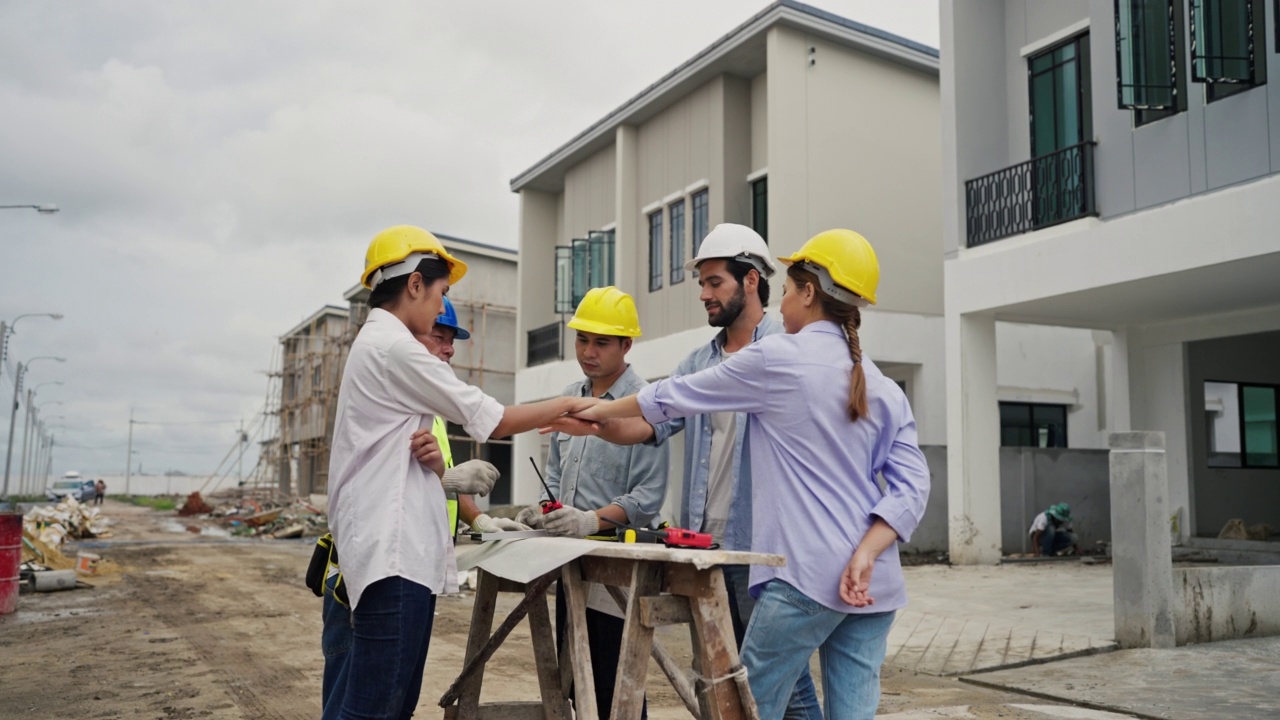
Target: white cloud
x,y
221,165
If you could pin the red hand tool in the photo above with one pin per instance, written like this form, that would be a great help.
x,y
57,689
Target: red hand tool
x,y
547,505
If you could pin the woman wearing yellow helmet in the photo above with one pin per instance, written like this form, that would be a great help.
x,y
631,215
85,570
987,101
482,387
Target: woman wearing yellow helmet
x,y
387,507
823,421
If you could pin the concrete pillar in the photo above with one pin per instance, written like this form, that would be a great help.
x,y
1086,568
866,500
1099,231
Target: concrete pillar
x,y
973,440
1141,556
627,269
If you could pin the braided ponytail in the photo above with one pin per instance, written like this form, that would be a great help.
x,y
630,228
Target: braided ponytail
x,y
858,379
851,318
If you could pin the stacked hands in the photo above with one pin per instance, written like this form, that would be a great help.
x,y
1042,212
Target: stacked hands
x,y
584,416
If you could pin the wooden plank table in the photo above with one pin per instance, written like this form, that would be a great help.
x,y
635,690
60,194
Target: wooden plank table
x,y
654,586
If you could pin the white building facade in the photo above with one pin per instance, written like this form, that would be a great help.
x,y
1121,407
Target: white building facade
x,y
1109,166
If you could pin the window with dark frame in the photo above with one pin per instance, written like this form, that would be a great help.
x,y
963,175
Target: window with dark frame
x,y
600,258
1228,53
1061,109
1033,425
675,212
760,207
1149,51
700,200
655,250
1241,425
583,264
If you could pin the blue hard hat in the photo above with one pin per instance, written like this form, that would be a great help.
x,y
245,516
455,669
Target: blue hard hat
x,y
449,319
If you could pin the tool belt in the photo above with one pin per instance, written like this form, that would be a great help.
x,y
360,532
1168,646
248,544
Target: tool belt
x,y
324,562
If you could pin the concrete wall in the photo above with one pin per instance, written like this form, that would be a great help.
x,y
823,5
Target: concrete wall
x,y
1252,494
1031,479
1058,366
854,141
1225,603
539,227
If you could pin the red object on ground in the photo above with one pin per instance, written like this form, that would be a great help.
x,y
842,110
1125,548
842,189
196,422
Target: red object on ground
x,y
195,505
10,559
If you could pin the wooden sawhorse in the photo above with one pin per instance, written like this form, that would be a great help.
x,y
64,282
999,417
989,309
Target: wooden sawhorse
x,y
654,586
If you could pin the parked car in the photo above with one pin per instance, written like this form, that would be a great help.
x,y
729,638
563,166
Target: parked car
x,y
72,485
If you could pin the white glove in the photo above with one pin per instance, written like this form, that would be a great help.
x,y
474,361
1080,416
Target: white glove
x,y
485,524
572,522
473,477
531,517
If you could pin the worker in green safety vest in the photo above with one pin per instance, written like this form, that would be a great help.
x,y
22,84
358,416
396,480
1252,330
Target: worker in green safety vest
x,y
439,342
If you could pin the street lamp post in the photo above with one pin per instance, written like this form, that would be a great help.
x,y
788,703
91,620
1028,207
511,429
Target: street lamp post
x,y
32,418
6,329
39,474
13,416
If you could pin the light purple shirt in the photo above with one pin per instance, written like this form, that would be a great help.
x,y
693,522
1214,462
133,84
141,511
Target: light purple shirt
x,y
813,471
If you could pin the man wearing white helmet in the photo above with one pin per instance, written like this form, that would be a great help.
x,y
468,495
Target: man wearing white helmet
x,y
733,269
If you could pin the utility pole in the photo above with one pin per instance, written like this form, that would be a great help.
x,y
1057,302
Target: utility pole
x,y
128,461
48,470
26,431
13,418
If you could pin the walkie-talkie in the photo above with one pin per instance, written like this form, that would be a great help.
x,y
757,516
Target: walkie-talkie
x,y
547,505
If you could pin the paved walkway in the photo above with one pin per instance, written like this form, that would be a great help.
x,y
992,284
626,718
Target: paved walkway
x,y
967,619
1217,681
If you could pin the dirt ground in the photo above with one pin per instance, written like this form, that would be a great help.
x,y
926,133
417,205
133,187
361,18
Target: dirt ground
x,y
198,626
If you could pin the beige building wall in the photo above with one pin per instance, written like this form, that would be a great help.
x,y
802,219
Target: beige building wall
x,y
855,142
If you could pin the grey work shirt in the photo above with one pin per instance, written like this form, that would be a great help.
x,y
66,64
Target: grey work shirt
x,y
697,449
589,473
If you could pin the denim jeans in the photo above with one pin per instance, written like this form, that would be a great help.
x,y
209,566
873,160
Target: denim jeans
x,y
803,703
1054,539
390,632
788,627
335,642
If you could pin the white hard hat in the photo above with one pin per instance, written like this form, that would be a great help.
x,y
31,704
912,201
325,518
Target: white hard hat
x,y
734,242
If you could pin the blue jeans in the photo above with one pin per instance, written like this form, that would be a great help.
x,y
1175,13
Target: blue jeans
x,y
784,632
391,628
1054,539
335,641
803,702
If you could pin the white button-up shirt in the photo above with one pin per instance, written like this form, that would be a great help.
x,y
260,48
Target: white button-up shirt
x,y
387,510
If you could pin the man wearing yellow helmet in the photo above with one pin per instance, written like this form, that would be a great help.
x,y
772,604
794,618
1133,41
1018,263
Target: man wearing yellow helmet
x,y
386,509
824,422
600,484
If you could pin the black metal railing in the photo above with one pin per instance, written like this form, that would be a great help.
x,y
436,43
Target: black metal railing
x,y
545,345
1035,194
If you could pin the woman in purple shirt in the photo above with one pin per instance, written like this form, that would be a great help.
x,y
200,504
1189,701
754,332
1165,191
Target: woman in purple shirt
x,y
822,423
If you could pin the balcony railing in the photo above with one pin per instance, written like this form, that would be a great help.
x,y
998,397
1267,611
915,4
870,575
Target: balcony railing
x,y
1040,192
545,345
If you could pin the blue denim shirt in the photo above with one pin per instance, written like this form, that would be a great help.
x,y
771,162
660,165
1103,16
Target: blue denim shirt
x,y
697,449
589,473
816,492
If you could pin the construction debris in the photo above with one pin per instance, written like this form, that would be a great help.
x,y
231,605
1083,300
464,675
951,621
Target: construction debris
x,y
195,505
68,519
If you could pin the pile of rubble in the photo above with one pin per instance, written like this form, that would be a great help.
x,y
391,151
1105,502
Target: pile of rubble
x,y
52,525
274,519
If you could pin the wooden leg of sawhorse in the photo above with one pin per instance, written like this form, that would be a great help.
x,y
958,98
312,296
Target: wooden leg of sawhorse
x,y
723,691
584,686
637,644
544,654
481,625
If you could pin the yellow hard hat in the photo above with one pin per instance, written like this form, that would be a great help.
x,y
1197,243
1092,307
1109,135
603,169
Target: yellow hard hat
x,y
845,264
393,246
607,311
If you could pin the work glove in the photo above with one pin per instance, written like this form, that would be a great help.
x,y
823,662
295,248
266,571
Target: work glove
x,y
531,517
473,477
571,522
485,524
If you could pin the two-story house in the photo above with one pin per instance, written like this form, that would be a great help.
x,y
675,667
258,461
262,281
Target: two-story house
x,y
1111,165
795,122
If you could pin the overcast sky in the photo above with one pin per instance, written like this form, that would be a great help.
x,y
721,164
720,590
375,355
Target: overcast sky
x,y
221,167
